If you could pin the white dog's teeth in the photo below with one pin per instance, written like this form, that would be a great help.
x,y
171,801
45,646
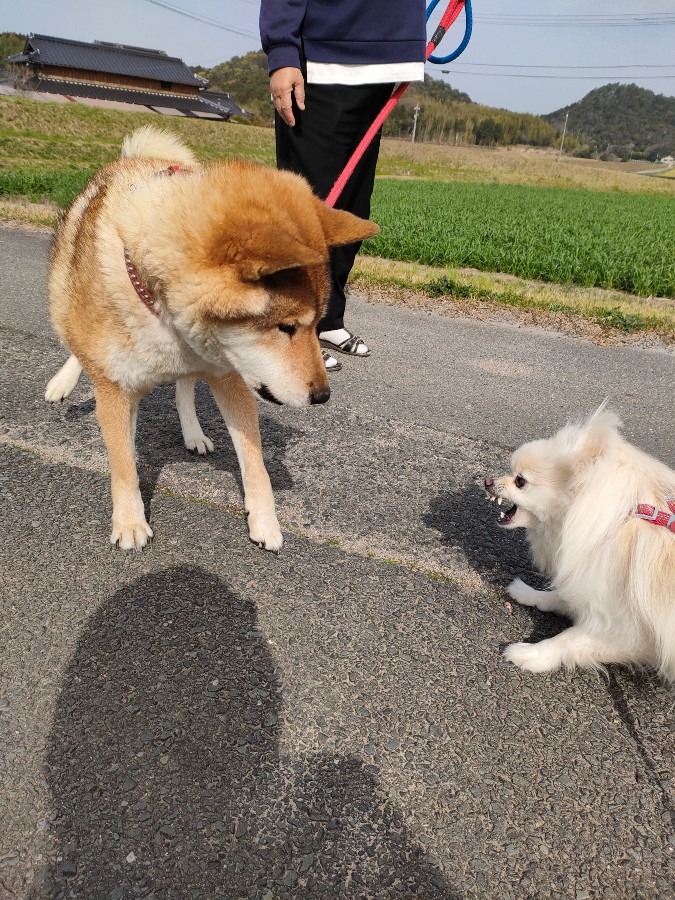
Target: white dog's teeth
x,y
499,501
502,515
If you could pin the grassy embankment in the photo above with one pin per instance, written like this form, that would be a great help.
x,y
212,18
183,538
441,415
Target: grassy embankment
x,y
48,151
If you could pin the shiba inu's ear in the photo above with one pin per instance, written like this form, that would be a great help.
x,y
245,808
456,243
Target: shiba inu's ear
x,y
341,227
267,250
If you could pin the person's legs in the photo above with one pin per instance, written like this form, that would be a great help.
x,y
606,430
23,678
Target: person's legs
x,y
328,130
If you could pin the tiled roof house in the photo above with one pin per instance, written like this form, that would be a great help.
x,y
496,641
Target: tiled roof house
x,y
120,74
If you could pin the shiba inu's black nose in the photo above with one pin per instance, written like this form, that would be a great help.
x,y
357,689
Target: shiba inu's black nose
x,y
319,396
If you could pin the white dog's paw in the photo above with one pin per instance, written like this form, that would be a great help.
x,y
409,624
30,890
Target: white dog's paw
x,y
522,593
130,535
198,443
532,657
264,531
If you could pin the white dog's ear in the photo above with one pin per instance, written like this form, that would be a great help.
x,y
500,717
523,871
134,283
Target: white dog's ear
x,y
598,434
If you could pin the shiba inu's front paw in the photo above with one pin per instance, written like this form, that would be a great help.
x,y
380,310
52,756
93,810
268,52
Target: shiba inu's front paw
x,y
264,531
532,657
57,389
130,535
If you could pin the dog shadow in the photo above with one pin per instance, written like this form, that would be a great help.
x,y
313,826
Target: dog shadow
x,y
640,682
75,412
467,522
168,781
160,441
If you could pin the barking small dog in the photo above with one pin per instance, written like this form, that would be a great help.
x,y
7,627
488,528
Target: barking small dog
x,y
600,521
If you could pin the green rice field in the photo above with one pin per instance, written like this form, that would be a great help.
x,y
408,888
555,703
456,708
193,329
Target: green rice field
x,y
615,240
590,238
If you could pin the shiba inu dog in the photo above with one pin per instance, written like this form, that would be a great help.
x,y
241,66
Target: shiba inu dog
x,y
163,271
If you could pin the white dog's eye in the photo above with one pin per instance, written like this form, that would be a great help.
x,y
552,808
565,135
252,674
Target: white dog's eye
x,y
519,481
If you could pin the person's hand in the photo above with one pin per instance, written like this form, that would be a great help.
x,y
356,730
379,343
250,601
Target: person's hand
x,y
283,84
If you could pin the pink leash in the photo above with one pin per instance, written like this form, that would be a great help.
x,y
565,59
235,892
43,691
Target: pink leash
x,y
453,10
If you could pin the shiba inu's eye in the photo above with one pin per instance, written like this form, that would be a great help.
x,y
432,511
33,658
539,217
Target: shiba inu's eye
x,y
288,329
519,481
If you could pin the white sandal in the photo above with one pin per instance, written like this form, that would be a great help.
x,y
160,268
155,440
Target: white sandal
x,y
332,365
352,345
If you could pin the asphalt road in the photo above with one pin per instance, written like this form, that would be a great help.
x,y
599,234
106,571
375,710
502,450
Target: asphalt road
x,y
206,720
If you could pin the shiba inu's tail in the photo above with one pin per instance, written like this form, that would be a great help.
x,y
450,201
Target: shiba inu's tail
x,y
63,383
152,142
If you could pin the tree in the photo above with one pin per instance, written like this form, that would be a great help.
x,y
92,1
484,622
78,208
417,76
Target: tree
x,y
489,132
11,43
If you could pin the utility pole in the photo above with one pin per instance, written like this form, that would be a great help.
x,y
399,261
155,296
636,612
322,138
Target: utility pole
x,y
417,112
562,140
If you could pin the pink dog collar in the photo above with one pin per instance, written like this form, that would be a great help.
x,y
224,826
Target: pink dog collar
x,y
657,516
144,293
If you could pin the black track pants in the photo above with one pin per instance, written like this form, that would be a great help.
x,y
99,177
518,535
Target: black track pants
x,y
325,134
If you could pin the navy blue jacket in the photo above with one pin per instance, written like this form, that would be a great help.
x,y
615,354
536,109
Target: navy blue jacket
x,y
356,32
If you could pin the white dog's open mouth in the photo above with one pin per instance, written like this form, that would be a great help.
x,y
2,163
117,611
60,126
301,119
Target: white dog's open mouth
x,y
506,515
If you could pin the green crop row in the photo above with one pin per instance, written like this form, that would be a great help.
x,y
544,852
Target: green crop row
x,y
57,187
609,240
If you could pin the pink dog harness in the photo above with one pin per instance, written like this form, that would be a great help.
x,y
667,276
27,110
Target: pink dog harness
x,y
657,516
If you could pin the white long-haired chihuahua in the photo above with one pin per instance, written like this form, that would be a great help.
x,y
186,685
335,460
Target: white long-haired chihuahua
x,y
600,521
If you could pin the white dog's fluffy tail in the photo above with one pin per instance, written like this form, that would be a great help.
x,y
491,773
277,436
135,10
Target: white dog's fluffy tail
x,y
152,142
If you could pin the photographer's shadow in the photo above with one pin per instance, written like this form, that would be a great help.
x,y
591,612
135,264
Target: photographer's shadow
x,y
165,771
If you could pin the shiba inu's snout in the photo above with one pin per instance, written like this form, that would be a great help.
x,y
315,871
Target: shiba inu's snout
x,y
266,394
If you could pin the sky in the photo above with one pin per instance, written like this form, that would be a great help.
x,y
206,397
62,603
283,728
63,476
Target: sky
x,y
526,56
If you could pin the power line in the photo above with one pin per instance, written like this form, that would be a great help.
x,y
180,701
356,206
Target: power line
x,y
556,77
535,66
205,20
571,21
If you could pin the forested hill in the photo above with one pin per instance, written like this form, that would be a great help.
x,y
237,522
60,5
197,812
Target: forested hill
x,y
622,119
246,79
445,115
10,44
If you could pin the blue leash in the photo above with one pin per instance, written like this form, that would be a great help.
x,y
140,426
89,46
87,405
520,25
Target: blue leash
x,y
468,15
